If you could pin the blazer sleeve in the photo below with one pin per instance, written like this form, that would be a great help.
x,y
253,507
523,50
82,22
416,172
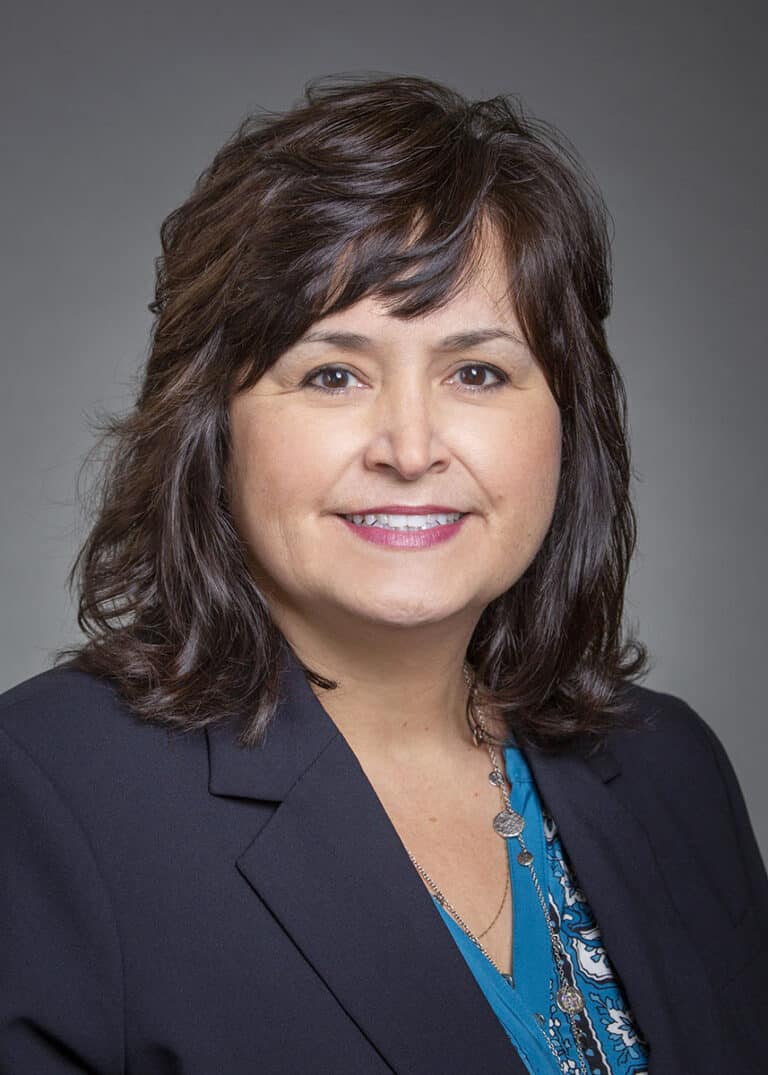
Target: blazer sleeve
x,y
757,877
61,1004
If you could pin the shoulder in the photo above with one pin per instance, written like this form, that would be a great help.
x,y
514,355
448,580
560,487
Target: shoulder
x,y
54,889
75,731
666,730
63,710
673,770
670,747
62,692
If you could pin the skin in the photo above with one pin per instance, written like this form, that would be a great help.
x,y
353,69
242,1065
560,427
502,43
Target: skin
x,y
414,424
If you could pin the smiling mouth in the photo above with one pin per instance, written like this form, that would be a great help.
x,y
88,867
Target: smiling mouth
x,y
406,523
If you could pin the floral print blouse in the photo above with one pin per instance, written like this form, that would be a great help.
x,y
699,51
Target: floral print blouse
x,y
612,1042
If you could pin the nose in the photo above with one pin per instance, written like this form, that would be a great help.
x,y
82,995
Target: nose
x,y
406,433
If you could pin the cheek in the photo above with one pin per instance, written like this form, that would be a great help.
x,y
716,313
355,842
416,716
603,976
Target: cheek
x,y
276,464
528,472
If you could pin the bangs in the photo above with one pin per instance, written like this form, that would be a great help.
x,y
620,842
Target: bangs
x,y
412,267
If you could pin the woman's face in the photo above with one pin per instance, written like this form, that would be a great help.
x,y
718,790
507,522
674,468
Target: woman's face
x,y
419,418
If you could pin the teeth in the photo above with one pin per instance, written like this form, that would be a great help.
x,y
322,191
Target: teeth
x,y
404,522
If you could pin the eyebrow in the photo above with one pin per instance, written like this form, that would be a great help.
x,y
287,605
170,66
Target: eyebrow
x,y
458,341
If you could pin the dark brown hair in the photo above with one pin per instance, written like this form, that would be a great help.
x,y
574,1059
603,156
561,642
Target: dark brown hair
x,y
390,178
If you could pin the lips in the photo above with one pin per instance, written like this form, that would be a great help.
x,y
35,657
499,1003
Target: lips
x,y
405,538
405,509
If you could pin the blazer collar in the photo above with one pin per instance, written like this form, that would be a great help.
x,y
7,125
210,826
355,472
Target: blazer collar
x,y
300,731
332,869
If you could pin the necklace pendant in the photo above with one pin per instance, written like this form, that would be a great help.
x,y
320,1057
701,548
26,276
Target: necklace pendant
x,y
570,1000
525,858
508,823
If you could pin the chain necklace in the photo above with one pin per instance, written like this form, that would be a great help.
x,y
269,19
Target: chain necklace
x,y
501,908
509,825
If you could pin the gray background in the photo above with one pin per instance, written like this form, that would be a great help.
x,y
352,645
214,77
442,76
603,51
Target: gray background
x,y
112,111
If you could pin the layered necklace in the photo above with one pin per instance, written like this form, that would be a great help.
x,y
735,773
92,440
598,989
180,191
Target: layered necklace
x,y
509,825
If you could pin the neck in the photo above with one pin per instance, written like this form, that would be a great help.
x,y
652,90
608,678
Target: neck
x,y
401,697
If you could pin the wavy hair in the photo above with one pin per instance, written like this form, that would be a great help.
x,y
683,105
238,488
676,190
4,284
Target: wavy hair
x,y
368,186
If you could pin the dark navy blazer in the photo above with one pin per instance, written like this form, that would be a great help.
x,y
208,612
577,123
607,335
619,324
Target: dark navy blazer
x,y
176,905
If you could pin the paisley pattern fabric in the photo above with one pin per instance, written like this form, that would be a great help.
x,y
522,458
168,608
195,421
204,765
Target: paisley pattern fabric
x,y
612,1042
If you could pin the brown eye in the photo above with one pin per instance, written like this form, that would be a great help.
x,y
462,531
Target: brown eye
x,y
332,379
476,376
473,377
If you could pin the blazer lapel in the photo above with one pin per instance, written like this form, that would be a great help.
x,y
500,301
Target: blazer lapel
x,y
331,868
645,936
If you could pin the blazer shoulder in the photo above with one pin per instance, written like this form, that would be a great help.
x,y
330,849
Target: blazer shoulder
x,y
652,706
674,757
61,683
669,747
61,693
69,721
664,724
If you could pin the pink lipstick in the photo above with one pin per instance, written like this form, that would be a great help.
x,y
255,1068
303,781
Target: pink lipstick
x,y
406,539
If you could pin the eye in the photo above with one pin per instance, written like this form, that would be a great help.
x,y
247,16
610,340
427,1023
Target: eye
x,y
478,369
337,375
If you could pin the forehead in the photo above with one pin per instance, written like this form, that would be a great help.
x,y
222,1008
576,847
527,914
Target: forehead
x,y
483,301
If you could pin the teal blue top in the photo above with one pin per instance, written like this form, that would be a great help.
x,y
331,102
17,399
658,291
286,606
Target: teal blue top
x,y
527,1010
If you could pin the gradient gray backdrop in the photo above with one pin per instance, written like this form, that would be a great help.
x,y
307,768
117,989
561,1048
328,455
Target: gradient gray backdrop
x,y
112,111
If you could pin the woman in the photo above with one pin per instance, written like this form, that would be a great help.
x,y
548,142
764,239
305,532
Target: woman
x,y
352,773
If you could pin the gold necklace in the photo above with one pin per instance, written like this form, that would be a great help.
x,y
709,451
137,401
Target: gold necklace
x,y
509,825
475,938
501,908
